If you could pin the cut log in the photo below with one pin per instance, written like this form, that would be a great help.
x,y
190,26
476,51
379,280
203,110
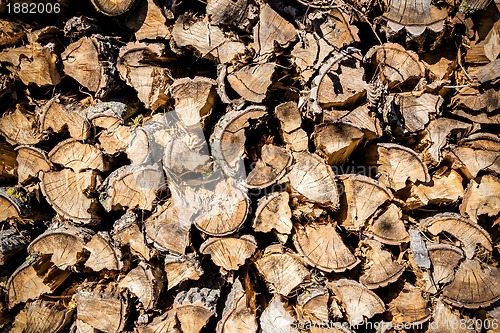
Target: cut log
x,y
314,180
91,61
488,73
77,156
443,318
397,65
33,63
168,229
281,269
112,8
35,277
102,307
237,316
42,316
477,105
483,46
145,282
252,81
397,164
380,269
276,318
116,139
274,213
64,244
31,161
229,253
363,197
409,307
12,33
466,231
312,305
8,164
107,115
474,286
181,268
358,301
482,198
19,127
126,232
322,247
270,168
388,227
59,114
290,120
149,22
66,191
226,12
195,307
11,243
444,259
361,117
103,253
166,323
336,141
13,205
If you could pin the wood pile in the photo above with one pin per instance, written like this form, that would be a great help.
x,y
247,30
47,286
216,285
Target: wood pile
x,y
250,166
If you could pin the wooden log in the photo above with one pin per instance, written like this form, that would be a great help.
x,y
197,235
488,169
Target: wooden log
x,y
30,161
77,156
42,316
226,12
13,33
380,269
166,323
251,82
8,164
229,253
11,242
145,282
481,198
149,22
107,115
477,105
361,117
270,168
388,227
103,253
410,307
336,141
290,120
14,205
444,259
277,318
443,316
126,232
195,307
274,213
181,268
112,8
19,127
312,305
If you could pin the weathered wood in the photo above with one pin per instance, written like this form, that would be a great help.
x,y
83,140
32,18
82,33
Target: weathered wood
x,y
126,232
11,242
77,156
388,227
103,253
181,268
409,307
252,81
195,307
237,316
31,161
271,167
18,127
289,117
166,323
336,141
42,316
229,253
144,282
481,198
8,164
274,213
112,8
312,305
444,259
380,269
277,318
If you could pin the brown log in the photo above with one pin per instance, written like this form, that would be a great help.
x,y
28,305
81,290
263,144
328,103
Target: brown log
x,y
237,316
195,307
229,253
18,127
181,268
274,213
270,168
8,164
126,232
409,307
42,316
144,282
380,269
31,161
112,8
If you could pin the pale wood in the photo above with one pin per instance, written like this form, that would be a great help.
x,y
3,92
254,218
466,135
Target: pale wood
x,y
237,316
388,227
42,316
126,232
77,156
410,306
443,317
289,117
481,198
477,105
312,305
30,161
226,12
229,253
107,115
270,168
112,7
274,213
380,269
103,253
194,308
18,127
145,282
361,117
276,317
165,323
251,82
13,205
445,259
149,22
179,268
336,141
416,111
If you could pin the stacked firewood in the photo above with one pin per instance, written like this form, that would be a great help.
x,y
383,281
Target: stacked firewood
x,y
249,166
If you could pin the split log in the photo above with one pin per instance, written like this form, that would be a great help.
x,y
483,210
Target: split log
x,y
115,140
42,316
107,115
31,161
67,192
444,259
380,269
359,302
361,117
145,283
477,105
181,268
229,253
281,269
270,168
274,213
483,46
481,198
290,120
126,232
112,8
443,318
77,156
388,227
277,318
252,81
14,205
410,307
103,253
12,33
149,22
195,307
11,242
8,164
102,307
488,74
336,141
19,127
226,12
238,316
321,246
166,323
312,305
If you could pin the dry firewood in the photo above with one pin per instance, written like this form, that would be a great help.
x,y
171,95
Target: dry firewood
x,y
282,269
103,253
126,232
343,85
151,82
168,229
313,179
252,81
42,316
11,242
33,63
208,40
270,168
290,120
103,307
12,32
112,8
271,29
35,277
65,245
436,134
483,46
443,318
419,253
358,301
13,205
477,105
226,12
229,253
132,186
336,141
276,318
238,316
416,17
166,323
397,65
9,167
30,161
380,269
363,196
59,114
145,282
322,247
388,227
18,127
143,148
360,117
475,285
91,61
312,305
466,231
77,156
488,73
67,192
444,259
397,164
181,268
274,213
149,22
481,198
79,26
107,115
195,307
409,307
115,139
446,188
